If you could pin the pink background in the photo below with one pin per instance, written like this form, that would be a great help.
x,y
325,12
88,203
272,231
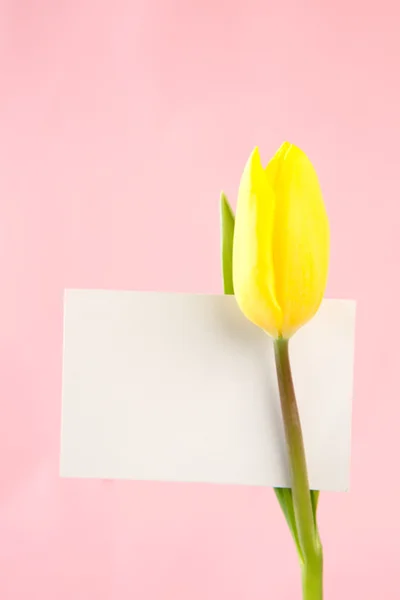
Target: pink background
x,y
120,123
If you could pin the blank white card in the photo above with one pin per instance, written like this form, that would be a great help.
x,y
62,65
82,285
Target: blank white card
x,y
179,387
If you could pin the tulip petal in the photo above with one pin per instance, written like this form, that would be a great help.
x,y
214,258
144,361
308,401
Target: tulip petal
x,y
300,244
253,268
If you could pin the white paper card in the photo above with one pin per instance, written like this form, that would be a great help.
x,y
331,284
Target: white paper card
x,y
179,387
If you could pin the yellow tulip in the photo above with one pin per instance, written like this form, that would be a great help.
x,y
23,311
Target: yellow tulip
x,y
281,242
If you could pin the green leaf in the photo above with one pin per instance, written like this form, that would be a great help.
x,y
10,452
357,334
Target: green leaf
x,y
227,229
284,495
314,501
285,499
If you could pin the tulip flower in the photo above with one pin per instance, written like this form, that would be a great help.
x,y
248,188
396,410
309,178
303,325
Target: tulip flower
x,y
275,257
281,242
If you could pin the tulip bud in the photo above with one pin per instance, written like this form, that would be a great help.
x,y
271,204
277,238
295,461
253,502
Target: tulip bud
x,y
281,242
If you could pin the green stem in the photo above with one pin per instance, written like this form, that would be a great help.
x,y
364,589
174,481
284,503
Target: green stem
x,y
312,579
310,545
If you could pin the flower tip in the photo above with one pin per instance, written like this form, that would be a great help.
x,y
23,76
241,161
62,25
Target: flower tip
x,y
284,150
254,160
255,154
